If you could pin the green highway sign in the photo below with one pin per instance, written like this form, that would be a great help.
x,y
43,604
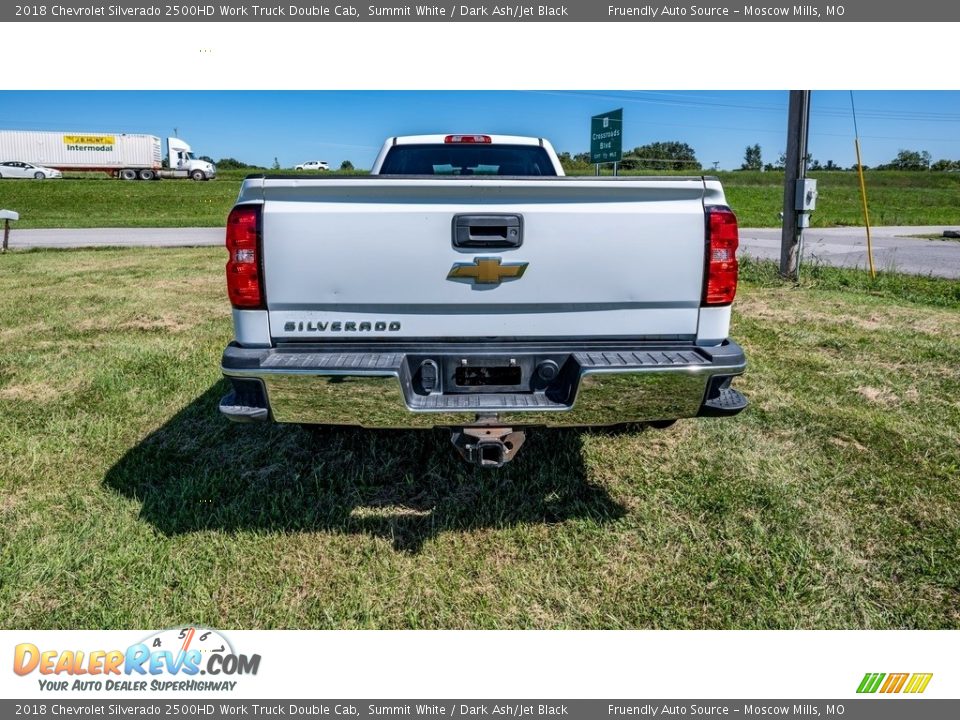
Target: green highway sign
x,y
606,137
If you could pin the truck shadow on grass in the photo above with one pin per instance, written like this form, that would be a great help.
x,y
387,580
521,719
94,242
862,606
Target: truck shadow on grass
x,y
201,472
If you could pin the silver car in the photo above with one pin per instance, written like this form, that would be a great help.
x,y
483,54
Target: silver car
x,y
15,169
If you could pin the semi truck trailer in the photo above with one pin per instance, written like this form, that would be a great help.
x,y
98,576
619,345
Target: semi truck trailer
x,y
122,155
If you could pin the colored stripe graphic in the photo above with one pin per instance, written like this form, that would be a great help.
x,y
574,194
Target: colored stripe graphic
x,y
894,682
918,682
870,683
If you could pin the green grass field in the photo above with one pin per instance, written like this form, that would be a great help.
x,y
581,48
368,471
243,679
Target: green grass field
x,y
126,501
896,198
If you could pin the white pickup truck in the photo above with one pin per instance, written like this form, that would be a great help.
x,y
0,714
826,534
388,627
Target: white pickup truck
x,y
467,284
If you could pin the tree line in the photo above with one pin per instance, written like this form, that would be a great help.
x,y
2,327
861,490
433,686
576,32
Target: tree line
x,y
905,160
669,155
676,155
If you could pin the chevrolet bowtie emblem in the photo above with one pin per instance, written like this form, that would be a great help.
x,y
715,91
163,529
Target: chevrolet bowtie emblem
x,y
487,271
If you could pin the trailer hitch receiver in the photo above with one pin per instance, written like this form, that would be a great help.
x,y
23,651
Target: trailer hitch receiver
x,y
487,447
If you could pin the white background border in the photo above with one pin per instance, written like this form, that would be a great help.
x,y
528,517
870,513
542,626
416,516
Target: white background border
x,y
409,55
308,55
542,664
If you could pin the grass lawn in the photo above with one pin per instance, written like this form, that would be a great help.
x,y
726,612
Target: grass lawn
x,y
896,198
126,501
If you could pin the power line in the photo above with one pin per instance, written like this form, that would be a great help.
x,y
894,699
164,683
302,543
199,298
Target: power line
x,y
827,111
876,114
853,109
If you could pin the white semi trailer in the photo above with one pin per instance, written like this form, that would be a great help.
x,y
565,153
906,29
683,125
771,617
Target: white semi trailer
x,y
126,156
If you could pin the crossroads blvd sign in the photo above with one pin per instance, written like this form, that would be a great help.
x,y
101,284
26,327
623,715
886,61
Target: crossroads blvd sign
x,y
606,137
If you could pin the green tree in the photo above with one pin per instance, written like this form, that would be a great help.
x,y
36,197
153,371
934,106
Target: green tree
x,y
575,164
780,164
669,155
752,159
945,165
909,160
346,165
231,164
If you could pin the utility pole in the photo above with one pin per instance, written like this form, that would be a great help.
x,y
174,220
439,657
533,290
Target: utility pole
x,y
798,127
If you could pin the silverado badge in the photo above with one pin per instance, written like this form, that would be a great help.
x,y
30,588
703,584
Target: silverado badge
x,y
487,271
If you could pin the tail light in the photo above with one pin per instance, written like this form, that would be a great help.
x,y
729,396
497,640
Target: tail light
x,y
244,276
720,283
481,139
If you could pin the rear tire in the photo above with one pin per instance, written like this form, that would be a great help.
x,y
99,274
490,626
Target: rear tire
x,y
147,174
198,175
128,174
39,176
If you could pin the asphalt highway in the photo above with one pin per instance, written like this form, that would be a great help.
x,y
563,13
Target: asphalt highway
x,y
894,248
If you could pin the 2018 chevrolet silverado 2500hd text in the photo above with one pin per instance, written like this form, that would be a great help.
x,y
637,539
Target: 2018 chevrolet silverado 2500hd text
x,y
467,284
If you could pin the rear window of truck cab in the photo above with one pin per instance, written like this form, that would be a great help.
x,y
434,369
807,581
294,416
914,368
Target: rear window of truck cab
x,y
510,160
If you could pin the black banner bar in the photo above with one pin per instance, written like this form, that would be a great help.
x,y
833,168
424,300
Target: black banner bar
x,y
482,11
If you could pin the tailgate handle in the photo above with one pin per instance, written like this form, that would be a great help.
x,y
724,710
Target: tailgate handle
x,y
487,231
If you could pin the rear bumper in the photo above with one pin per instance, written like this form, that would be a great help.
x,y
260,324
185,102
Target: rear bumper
x,y
416,386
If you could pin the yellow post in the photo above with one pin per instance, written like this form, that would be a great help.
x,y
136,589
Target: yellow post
x,y
866,212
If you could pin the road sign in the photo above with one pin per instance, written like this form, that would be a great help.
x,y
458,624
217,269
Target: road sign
x,y
606,137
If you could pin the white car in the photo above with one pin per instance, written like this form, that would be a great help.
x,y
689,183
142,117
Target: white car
x,y
313,165
14,169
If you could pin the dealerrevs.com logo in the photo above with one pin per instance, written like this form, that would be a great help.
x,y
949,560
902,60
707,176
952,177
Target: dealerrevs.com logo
x,y
173,659
889,683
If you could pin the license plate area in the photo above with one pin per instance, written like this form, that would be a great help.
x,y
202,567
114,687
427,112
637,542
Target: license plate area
x,y
455,374
487,373
473,377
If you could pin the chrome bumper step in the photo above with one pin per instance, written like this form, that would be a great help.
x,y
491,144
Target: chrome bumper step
x,y
590,384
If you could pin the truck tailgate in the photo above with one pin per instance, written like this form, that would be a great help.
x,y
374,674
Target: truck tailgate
x,y
372,257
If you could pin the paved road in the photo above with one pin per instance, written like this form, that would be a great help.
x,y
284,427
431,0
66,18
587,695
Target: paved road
x,y
893,248
117,237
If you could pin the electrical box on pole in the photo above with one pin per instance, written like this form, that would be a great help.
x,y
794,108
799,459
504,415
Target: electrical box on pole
x,y
806,201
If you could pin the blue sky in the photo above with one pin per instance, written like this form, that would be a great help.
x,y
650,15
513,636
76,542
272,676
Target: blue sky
x,y
295,126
